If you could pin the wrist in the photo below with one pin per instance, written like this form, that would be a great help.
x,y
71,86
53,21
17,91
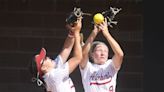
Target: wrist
x,y
95,31
70,34
76,33
106,33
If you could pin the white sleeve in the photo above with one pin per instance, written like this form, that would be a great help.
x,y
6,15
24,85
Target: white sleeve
x,y
59,61
60,72
111,66
65,68
85,70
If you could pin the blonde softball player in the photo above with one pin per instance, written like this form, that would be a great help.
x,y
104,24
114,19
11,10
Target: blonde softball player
x,y
100,75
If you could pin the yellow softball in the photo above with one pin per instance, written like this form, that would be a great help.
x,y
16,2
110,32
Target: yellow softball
x,y
98,18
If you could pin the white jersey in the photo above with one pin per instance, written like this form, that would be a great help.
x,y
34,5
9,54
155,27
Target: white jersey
x,y
99,78
58,80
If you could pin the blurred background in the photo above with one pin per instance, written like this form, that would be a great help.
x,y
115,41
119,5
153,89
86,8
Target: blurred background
x,y
28,25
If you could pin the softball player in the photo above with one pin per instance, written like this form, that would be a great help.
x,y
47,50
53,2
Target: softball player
x,y
54,74
100,74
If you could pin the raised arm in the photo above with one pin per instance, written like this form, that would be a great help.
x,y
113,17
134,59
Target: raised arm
x,y
118,53
68,45
87,46
77,51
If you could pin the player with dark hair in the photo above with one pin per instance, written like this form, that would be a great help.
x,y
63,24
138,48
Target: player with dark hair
x,y
54,74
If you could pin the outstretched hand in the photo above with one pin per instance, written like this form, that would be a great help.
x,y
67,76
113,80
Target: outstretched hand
x,y
103,27
75,27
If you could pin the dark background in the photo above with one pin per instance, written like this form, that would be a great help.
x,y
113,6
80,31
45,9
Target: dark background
x,y
153,46
28,25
